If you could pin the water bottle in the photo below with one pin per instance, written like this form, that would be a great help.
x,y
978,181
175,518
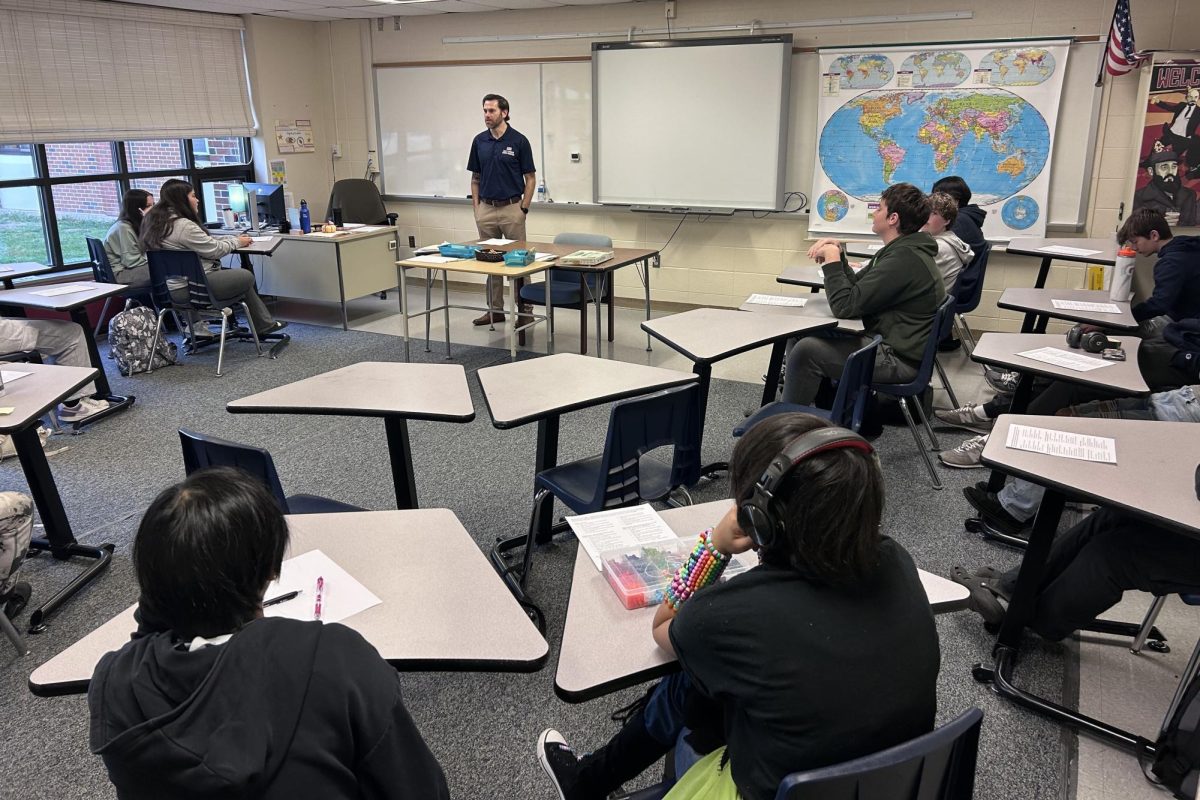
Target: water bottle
x,y
1121,289
541,192
305,219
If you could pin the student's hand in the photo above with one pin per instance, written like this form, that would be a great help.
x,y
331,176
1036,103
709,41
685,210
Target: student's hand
x,y
244,240
815,251
728,538
828,254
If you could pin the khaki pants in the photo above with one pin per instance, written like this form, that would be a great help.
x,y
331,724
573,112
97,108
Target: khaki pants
x,y
493,222
16,527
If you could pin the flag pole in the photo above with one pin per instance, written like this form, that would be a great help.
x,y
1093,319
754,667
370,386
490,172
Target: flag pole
x,y
1107,44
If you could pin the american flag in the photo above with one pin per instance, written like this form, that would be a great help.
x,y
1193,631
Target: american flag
x,y
1122,56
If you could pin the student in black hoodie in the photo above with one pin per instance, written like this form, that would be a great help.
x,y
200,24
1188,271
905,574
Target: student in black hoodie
x,y
211,699
968,226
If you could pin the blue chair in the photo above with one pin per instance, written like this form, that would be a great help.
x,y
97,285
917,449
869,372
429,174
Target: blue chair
x,y
624,474
849,402
571,288
200,451
910,393
967,290
937,766
102,272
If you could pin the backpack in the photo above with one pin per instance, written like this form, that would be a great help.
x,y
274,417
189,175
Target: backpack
x,y
1177,751
130,337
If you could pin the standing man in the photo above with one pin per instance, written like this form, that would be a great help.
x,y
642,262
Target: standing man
x,y
502,184
1182,133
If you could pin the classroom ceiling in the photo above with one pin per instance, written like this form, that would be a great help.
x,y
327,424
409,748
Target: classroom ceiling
x,y
361,9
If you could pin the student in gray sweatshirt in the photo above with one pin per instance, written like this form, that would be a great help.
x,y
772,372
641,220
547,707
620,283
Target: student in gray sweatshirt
x,y
125,254
174,224
953,253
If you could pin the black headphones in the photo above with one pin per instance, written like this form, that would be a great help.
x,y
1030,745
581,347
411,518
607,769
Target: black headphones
x,y
757,517
1089,338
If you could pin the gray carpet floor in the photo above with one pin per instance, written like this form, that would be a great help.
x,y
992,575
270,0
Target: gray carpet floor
x,y
482,727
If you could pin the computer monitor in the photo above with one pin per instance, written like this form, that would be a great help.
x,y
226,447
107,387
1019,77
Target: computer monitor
x,y
271,209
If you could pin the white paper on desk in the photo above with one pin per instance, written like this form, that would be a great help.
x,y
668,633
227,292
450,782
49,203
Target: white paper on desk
x,y
1082,305
496,241
352,225
1065,358
365,228
70,288
545,257
1066,251
1062,444
427,249
434,258
776,300
8,376
261,238
323,235
342,596
621,527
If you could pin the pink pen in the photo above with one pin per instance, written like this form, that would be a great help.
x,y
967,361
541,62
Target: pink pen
x,y
320,594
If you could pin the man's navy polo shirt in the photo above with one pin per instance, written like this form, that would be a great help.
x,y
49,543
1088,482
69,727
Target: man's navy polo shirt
x,y
501,163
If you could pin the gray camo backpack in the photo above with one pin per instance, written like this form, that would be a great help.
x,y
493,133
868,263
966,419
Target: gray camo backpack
x,y
131,335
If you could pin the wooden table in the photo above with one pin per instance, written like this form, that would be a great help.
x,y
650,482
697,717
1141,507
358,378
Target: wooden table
x,y
31,396
397,392
606,647
1038,305
75,304
1104,252
443,609
1150,480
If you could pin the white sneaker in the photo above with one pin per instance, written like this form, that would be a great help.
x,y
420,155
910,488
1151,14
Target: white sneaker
x,y
966,455
969,417
85,408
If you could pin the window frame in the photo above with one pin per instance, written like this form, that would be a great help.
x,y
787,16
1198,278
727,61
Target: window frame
x,y
123,175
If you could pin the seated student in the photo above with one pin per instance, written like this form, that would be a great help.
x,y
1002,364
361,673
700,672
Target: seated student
x,y
125,254
1089,567
896,295
781,691
211,699
173,224
968,226
1176,294
62,342
16,527
952,252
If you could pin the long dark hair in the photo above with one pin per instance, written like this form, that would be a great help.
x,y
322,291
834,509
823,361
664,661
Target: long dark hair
x,y
172,203
133,207
205,552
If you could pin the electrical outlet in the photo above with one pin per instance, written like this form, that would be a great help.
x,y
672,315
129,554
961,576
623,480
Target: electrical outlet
x,y
670,9
656,262
336,150
412,241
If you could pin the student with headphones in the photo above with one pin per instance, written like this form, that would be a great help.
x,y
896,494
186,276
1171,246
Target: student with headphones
x,y
824,652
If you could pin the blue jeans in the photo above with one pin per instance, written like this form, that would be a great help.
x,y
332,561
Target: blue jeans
x,y
663,716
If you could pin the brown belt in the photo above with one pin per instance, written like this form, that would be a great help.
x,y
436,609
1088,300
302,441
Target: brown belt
x,y
507,202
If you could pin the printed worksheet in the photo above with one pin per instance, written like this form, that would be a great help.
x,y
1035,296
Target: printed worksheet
x,y
1083,305
776,300
1066,251
636,526
1062,444
1066,358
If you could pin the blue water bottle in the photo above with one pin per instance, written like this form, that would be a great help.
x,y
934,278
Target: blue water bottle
x,y
305,219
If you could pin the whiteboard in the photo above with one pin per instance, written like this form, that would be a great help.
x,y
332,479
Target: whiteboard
x,y
692,122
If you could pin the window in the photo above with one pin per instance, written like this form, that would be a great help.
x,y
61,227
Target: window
x,y
53,196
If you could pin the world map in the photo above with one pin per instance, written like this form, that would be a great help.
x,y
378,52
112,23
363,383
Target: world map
x,y
994,139
937,68
1022,66
1020,212
833,205
869,71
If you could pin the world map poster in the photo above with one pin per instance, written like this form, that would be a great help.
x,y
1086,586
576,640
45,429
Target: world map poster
x,y
984,112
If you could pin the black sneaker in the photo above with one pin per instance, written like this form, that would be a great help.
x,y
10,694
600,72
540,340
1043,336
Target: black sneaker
x,y
559,762
990,510
16,599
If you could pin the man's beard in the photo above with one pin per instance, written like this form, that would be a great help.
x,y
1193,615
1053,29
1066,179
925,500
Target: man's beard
x,y
1167,183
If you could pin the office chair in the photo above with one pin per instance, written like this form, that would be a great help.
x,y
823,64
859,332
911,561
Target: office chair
x,y
359,201
200,451
849,402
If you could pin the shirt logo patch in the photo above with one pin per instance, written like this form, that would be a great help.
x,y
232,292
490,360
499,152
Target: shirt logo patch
x,y
508,151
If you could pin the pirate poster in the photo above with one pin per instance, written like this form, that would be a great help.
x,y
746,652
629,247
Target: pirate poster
x,y
1168,176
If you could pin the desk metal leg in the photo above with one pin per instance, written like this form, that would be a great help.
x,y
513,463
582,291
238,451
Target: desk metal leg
x,y
59,541
404,307
645,270
10,632
704,370
116,403
1020,611
337,249
446,308
774,368
1021,397
1043,272
599,294
428,304
510,324
400,454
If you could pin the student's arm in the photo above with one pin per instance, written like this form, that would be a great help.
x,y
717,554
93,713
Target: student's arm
x,y
1170,275
853,296
123,250
400,764
728,539
196,239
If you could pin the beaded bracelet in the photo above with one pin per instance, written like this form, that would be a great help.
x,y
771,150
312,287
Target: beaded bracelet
x,y
703,567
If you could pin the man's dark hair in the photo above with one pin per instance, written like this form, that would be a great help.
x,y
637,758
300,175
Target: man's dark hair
x,y
133,206
954,186
910,203
830,504
172,202
1141,222
206,550
501,104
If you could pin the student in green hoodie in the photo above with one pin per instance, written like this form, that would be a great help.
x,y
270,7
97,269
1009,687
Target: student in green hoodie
x,y
896,296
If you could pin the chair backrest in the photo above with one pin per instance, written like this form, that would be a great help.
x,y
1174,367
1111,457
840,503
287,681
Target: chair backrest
x,y
640,424
850,401
200,451
165,264
937,766
968,288
943,321
584,241
102,271
359,200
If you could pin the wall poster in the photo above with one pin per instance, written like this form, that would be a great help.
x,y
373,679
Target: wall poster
x,y
1168,169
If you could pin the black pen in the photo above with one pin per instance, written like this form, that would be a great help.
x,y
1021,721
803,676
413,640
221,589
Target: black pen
x,y
283,598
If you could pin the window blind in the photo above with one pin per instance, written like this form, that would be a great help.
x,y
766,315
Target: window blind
x,y
77,70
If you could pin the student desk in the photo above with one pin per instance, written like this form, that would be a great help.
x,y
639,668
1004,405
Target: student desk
x,y
396,392
813,275
542,389
443,608
1151,480
591,665
21,269
471,266
75,304
815,307
1106,252
1038,305
31,396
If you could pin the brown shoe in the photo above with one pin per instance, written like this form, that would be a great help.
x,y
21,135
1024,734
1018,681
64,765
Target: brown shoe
x,y
526,315
489,318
